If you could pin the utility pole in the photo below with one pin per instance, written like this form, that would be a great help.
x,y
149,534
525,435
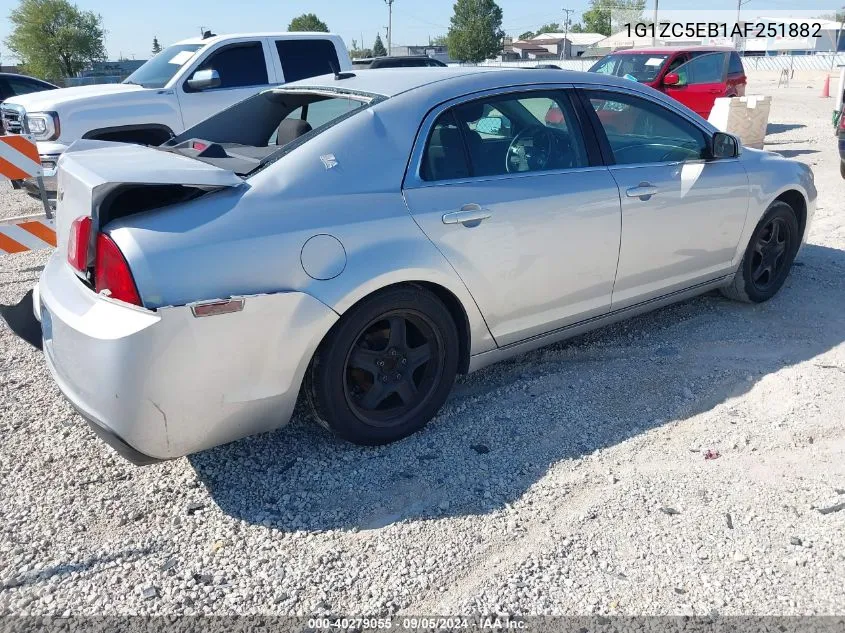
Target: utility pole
x,y
389,4
566,13
739,4
654,33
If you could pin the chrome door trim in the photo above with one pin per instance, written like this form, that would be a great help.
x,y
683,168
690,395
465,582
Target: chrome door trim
x,y
483,359
413,179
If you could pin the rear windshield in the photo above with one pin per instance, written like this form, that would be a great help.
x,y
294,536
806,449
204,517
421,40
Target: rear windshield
x,y
279,121
634,66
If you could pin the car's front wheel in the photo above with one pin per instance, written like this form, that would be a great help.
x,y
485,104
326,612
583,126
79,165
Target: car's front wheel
x,y
769,256
386,368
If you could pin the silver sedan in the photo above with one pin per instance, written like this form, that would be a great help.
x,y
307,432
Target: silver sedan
x,y
361,238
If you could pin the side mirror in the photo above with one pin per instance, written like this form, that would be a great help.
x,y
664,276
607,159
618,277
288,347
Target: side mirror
x,y
672,79
724,146
204,79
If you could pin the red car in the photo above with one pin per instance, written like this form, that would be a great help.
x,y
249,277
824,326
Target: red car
x,y
696,76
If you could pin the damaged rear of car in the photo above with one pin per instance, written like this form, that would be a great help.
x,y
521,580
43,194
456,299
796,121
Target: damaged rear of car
x,y
152,313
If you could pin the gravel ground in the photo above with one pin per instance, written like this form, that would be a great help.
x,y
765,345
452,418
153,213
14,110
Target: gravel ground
x,y
572,480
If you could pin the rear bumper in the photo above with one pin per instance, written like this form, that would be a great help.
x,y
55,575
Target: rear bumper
x,y
159,385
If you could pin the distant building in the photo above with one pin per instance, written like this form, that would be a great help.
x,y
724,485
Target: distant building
x,y
547,46
440,53
121,67
105,72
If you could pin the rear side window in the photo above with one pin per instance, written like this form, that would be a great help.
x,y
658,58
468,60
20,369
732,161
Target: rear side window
x,y
505,134
239,65
735,65
445,155
306,58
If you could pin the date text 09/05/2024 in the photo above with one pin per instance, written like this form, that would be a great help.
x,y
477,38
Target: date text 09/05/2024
x,y
722,29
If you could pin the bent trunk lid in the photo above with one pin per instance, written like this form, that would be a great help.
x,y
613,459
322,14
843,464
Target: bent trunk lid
x,y
89,171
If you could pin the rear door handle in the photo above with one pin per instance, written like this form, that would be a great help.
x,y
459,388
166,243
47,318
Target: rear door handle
x,y
470,215
643,191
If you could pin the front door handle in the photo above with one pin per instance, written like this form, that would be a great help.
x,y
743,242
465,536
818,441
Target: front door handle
x,y
643,191
470,215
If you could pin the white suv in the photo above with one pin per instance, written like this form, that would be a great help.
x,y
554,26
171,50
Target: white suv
x,y
181,86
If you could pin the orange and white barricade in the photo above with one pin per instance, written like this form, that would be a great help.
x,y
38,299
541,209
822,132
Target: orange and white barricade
x,y
27,233
18,160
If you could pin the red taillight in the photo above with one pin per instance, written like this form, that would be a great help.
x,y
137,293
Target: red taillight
x,y
842,120
111,272
77,244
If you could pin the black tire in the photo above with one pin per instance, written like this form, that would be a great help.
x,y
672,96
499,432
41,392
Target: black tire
x,y
769,256
842,168
386,367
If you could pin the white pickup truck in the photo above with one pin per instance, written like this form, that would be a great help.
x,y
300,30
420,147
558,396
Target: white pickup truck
x,y
181,86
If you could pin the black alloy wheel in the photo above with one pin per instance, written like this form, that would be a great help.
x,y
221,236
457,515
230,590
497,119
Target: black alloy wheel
x,y
771,253
768,257
386,367
393,367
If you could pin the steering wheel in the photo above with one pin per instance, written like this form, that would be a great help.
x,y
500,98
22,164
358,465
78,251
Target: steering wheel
x,y
530,150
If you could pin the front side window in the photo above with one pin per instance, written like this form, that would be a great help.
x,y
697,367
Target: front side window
x,y
238,66
306,58
704,69
642,131
158,71
505,134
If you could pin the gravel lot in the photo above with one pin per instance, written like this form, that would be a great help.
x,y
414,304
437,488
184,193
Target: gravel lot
x,y
572,480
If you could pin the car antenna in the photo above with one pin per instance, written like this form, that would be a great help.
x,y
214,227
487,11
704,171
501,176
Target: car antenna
x,y
337,74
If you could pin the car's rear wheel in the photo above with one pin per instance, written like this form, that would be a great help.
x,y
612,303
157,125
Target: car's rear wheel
x,y
769,256
842,168
386,368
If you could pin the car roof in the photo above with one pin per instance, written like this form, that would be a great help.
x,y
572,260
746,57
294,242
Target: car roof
x,y
286,34
20,76
455,81
673,49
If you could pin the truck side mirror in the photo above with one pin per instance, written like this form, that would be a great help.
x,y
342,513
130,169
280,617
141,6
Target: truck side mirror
x,y
204,79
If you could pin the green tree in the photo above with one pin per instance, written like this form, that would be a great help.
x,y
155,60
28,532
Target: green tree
x,y
577,28
156,46
476,32
440,40
526,36
308,22
54,38
359,53
378,48
598,18
551,27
